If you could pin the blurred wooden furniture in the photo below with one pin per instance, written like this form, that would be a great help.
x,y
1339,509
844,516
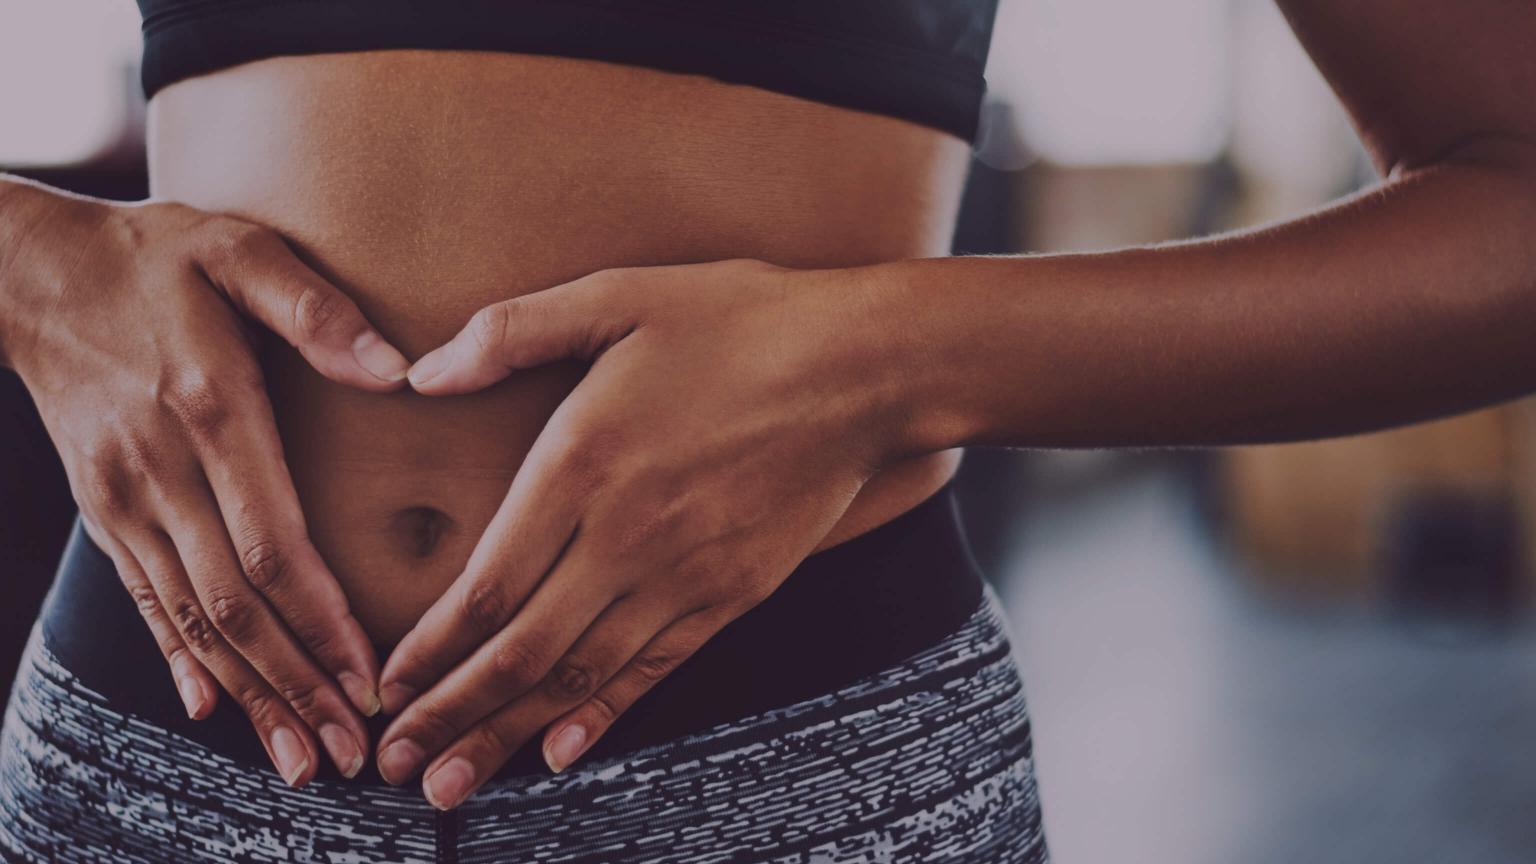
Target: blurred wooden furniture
x,y
1312,516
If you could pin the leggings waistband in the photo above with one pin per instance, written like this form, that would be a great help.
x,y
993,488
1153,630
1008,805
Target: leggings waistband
x,y
845,613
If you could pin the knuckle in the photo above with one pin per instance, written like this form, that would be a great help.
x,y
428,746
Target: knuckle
x,y
194,627
716,575
698,571
610,279
584,467
266,564
111,489
652,665
517,666
749,583
740,597
753,265
145,600
261,705
571,680
141,457
605,706
178,655
490,326
230,242
316,310
304,697
232,615
489,738
321,640
760,584
432,721
485,606
193,397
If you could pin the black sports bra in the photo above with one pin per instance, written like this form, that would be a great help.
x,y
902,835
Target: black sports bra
x,y
919,60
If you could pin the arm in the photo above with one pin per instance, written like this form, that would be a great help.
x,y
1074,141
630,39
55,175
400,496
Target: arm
x,y
733,409
121,321
1411,300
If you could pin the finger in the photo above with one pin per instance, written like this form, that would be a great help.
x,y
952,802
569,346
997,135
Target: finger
x,y
196,686
578,320
257,270
287,740
510,664
575,733
525,537
250,627
617,636
244,464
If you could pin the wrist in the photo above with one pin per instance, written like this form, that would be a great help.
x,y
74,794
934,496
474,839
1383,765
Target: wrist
x,y
32,216
915,373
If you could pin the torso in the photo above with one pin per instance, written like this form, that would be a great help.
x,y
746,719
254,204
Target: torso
x,y
429,184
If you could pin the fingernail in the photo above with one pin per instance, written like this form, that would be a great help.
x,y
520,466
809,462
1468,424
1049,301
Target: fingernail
x,y
398,761
192,696
446,787
290,755
344,749
429,367
563,749
364,697
396,696
379,357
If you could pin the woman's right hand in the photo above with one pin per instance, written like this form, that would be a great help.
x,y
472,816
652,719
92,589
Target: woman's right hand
x,y
124,323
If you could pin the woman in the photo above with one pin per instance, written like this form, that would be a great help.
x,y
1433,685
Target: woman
x,y
708,573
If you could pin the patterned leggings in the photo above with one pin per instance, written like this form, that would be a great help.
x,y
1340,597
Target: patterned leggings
x,y
927,761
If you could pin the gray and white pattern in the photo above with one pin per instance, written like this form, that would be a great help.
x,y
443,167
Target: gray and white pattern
x,y
928,761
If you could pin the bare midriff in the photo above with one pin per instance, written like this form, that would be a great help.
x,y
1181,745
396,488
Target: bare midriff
x,y
429,184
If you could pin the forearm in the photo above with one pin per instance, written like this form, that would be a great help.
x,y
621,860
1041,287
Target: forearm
x,y
1414,300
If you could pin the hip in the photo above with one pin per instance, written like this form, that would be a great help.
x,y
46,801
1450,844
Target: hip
x,y
846,612
927,755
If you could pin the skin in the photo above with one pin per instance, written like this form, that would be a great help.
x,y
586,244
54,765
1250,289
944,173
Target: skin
x,y
727,413
705,471
133,346
421,206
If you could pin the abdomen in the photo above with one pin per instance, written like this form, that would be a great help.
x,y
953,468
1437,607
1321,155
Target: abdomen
x,y
429,184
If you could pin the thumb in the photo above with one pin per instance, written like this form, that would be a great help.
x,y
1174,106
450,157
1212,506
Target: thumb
x,y
264,279
575,321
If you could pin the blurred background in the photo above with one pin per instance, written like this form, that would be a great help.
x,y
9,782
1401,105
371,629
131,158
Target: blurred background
x,y
1315,652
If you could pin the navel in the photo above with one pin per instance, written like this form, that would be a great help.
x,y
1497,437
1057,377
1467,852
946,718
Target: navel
x,y
420,529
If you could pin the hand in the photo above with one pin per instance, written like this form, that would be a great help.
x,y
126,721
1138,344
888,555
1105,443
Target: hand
x,y
730,416
122,321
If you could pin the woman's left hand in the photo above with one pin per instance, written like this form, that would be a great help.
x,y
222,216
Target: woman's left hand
x,y
731,413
